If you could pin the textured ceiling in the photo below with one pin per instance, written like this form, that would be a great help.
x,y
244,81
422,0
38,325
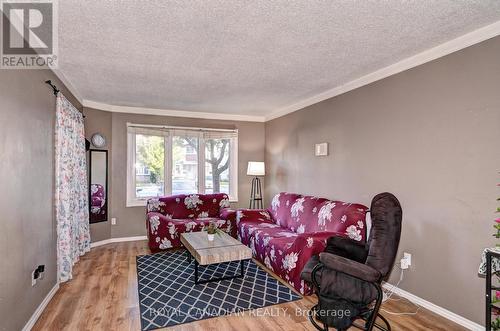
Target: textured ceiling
x,y
245,57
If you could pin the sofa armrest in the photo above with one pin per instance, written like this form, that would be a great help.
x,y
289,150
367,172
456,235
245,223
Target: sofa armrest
x,y
228,214
349,267
153,205
254,215
153,221
347,248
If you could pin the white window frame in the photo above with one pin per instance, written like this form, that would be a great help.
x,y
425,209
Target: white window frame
x,y
133,201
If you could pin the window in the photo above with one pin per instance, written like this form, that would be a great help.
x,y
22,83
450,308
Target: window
x,y
149,165
185,164
217,158
173,160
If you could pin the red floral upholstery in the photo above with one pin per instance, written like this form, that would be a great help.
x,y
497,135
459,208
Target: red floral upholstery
x,y
280,208
295,228
168,217
97,202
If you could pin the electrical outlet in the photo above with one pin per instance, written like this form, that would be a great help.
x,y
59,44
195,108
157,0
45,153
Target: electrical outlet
x,y
37,274
113,221
406,261
41,271
407,256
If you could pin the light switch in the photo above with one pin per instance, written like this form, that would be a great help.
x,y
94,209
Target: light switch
x,y
321,149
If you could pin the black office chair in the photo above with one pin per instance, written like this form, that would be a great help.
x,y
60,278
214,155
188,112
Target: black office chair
x,y
347,277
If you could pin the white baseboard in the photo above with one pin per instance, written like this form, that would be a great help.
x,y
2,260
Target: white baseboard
x,y
436,309
41,308
116,240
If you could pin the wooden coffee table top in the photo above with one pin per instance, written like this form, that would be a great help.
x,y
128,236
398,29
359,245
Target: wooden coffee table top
x,y
223,248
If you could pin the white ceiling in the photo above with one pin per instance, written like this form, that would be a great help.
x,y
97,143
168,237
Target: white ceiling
x,y
253,57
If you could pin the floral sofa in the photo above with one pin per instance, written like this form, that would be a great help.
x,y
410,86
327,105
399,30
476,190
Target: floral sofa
x,y
168,217
295,228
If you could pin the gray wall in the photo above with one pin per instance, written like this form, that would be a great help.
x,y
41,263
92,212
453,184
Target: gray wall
x,y
130,220
27,224
97,121
431,136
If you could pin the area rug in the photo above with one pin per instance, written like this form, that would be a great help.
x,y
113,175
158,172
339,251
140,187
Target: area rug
x,y
168,295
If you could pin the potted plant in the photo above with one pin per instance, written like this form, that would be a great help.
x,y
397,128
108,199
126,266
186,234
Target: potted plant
x,y
212,230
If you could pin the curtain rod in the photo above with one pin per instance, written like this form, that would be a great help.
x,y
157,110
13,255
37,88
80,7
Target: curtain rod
x,y
55,90
133,125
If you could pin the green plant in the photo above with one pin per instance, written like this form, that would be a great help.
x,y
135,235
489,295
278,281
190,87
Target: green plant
x,y
495,324
212,229
497,224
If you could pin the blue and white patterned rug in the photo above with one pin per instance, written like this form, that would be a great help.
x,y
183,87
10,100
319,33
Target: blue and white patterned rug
x,y
168,295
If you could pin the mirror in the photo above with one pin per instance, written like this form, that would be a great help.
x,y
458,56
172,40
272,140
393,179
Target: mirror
x,y
98,185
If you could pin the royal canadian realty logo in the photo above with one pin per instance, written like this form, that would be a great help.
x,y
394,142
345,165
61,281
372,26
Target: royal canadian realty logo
x,y
29,34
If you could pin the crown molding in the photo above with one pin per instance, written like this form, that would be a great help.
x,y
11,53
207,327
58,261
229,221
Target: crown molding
x,y
70,87
171,112
466,40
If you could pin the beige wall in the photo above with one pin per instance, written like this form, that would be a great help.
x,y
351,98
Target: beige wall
x,y
431,136
130,220
27,223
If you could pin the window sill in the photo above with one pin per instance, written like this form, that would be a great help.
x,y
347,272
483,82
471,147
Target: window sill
x,y
136,203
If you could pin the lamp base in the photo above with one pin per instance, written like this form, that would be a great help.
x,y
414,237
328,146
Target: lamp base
x,y
256,195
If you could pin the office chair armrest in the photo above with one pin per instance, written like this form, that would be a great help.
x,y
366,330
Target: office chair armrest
x,y
347,248
349,267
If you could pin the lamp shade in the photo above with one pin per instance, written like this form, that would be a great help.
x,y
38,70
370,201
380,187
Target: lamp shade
x,y
256,169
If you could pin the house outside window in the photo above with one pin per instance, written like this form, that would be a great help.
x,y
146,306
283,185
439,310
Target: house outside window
x,y
165,160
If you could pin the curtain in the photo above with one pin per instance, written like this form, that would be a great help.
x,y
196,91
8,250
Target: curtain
x,y
71,194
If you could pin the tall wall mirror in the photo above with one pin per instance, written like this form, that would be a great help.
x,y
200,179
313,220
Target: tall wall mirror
x,y
98,185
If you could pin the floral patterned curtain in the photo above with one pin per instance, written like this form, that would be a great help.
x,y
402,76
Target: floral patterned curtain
x,y
71,196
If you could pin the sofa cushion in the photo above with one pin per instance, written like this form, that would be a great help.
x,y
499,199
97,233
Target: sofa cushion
x,y
212,204
183,206
274,251
340,217
171,206
262,236
281,208
302,211
246,229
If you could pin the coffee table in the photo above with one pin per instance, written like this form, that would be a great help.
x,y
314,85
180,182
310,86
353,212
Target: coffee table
x,y
223,248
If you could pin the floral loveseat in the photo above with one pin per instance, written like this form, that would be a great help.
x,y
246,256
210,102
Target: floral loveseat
x,y
295,228
168,217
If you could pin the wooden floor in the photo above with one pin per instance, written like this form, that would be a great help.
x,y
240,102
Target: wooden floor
x,y
103,296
